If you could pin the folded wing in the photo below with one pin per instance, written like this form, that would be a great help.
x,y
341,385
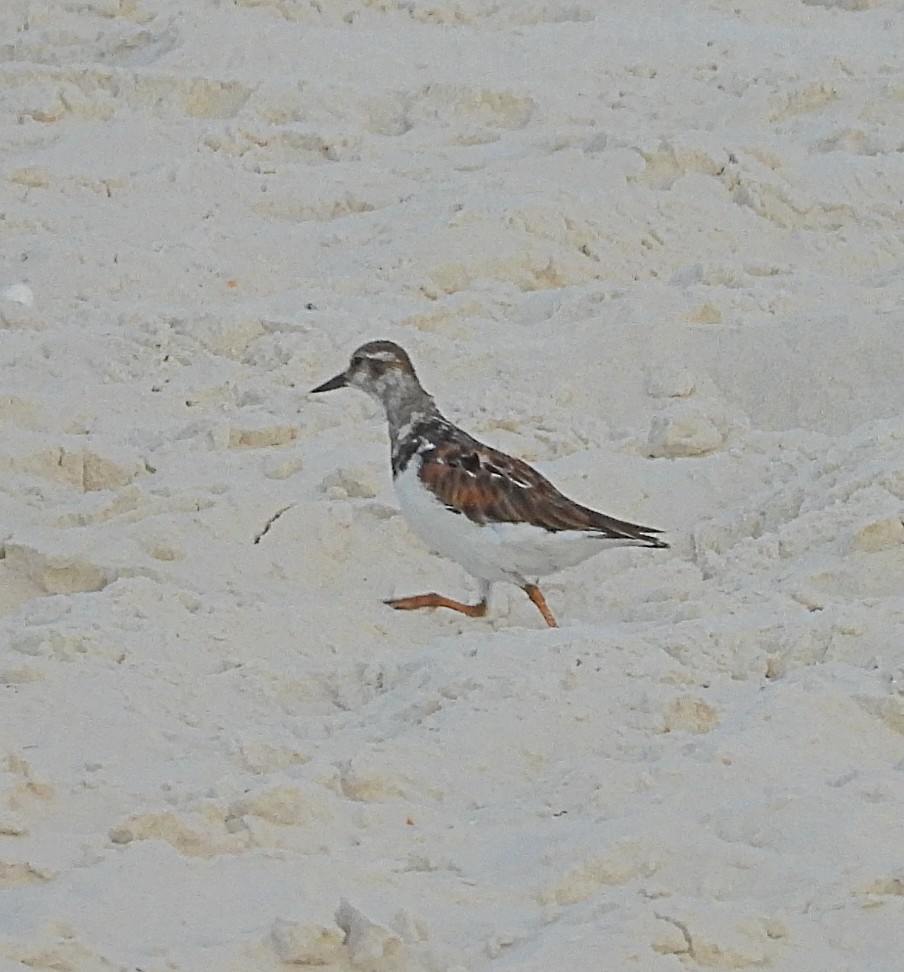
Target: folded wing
x,y
488,486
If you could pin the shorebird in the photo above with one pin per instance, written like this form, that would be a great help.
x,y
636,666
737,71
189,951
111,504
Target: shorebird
x,y
493,514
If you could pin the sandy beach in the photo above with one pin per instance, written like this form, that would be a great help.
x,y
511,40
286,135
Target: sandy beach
x,y
655,249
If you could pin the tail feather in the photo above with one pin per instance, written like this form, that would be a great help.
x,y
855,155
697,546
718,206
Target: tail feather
x,y
607,527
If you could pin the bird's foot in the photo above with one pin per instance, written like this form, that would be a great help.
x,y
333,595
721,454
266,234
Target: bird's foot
x,y
536,595
434,600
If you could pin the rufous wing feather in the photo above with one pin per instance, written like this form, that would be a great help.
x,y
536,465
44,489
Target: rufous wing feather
x,y
488,486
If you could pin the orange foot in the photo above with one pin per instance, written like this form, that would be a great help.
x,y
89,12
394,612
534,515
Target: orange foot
x,y
536,595
435,601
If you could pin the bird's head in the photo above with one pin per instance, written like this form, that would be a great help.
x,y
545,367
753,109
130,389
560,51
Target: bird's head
x,y
380,368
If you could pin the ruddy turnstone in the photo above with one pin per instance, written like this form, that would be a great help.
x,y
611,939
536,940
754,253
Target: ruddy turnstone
x,y
495,515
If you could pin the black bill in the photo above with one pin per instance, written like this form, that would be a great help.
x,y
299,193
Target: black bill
x,y
340,381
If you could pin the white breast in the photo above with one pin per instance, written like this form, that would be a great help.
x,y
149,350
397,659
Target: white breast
x,y
514,552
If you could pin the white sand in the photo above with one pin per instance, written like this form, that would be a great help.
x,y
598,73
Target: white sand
x,y
656,248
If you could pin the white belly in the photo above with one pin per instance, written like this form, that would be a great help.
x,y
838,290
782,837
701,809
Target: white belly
x,y
513,552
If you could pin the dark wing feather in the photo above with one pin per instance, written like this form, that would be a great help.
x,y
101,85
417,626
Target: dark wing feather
x,y
487,486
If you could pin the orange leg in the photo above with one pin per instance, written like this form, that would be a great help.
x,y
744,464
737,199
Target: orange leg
x,y
437,600
536,595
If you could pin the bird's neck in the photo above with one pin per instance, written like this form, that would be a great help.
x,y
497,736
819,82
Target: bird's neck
x,y
405,405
